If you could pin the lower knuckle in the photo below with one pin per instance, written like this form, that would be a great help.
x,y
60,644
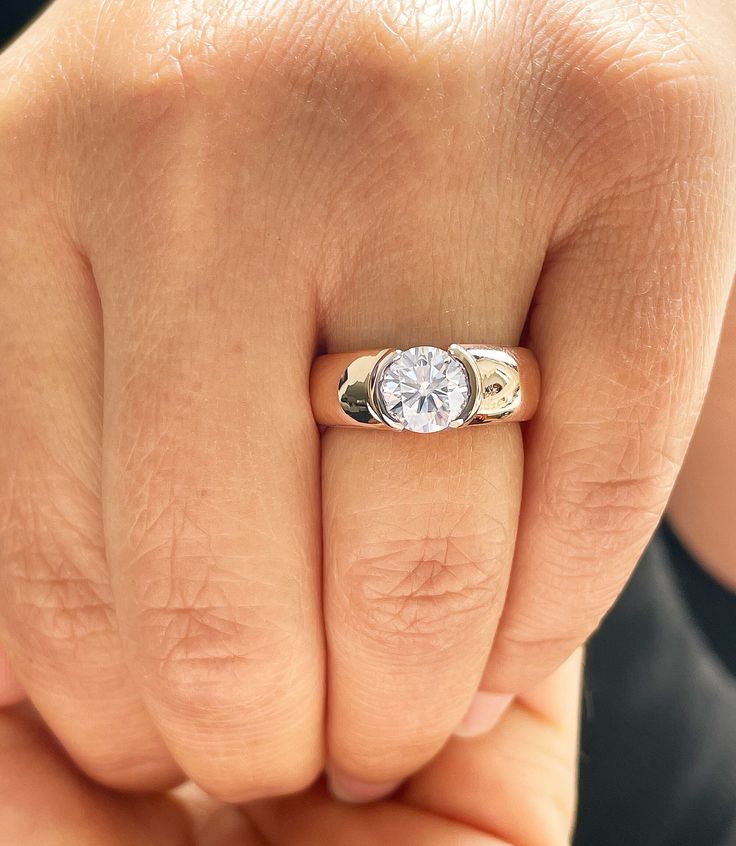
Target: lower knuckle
x,y
202,617
650,83
201,647
601,499
377,69
172,41
614,508
56,588
60,609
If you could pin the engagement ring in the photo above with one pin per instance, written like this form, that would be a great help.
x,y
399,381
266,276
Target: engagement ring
x,y
425,389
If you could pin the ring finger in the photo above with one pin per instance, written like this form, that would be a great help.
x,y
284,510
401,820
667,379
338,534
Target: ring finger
x,y
419,530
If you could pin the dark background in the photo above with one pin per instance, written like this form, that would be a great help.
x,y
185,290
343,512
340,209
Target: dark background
x,y
14,14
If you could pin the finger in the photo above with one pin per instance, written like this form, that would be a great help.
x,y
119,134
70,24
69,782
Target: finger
x,y
518,781
419,529
56,615
44,801
11,690
416,564
625,356
211,469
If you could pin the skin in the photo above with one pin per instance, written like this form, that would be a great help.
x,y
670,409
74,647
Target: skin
x,y
703,505
513,786
200,197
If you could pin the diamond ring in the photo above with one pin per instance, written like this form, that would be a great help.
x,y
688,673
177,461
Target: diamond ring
x,y
425,389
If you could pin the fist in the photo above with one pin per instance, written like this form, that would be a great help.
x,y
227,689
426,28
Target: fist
x,y
199,198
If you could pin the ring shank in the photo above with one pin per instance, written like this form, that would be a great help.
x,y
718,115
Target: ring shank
x,y
327,371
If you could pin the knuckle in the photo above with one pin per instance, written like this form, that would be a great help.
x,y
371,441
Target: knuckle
x,y
218,656
598,503
177,54
199,621
56,589
407,44
57,606
606,480
426,587
641,86
366,65
606,515
201,642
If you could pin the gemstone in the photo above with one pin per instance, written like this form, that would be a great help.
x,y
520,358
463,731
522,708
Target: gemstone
x,y
424,389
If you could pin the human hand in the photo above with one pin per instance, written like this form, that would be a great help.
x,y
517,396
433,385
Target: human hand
x,y
199,197
515,785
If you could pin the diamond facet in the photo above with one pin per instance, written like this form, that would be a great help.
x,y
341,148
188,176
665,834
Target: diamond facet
x,y
424,389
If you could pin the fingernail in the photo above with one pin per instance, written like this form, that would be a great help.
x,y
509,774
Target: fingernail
x,y
352,790
484,712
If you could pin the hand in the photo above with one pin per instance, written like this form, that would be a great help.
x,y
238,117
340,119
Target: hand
x,y
513,786
198,198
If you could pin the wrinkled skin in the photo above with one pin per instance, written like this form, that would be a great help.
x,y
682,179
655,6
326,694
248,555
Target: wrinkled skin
x,y
198,197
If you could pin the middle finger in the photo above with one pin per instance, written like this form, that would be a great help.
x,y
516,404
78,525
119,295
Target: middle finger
x,y
211,470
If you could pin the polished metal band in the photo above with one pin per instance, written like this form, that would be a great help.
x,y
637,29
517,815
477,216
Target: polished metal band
x,y
502,386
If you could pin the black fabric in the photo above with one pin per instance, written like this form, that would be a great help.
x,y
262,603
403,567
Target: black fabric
x,y
14,14
713,608
658,764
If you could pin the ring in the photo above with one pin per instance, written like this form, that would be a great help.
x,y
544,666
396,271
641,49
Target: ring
x,y
425,389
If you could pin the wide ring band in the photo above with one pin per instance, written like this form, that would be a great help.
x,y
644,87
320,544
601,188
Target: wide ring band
x,y
425,389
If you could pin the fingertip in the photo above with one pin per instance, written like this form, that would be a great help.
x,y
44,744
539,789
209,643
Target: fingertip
x,y
356,792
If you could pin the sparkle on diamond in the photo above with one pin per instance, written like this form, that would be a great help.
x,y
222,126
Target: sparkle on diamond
x,y
425,389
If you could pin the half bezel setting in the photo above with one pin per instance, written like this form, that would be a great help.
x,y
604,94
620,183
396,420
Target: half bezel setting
x,y
424,389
